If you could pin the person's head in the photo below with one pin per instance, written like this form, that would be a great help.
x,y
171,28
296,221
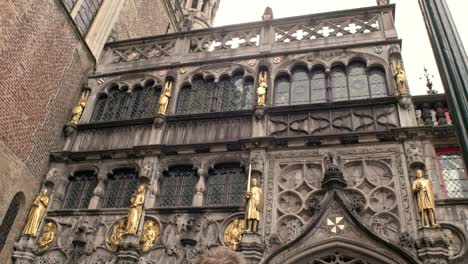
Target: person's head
x,y
254,182
220,255
419,174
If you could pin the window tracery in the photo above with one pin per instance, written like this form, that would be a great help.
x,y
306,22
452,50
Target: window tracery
x,y
80,190
226,185
121,184
122,104
351,83
177,187
9,219
228,94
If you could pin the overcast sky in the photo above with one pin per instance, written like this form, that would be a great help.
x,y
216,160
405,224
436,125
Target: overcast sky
x,y
416,48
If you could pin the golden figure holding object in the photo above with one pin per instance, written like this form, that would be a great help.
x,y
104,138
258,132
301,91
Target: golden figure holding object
x,y
117,232
400,79
151,232
48,236
233,233
425,199
262,88
77,111
36,213
136,207
254,204
164,98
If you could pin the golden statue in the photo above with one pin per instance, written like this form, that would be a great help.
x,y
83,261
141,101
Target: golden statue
x,y
151,232
36,213
425,199
48,236
262,88
254,205
136,207
164,98
400,79
117,232
233,233
78,109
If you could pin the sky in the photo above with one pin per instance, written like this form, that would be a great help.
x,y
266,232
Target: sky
x,y
416,48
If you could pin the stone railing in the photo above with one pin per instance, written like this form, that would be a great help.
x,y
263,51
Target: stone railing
x,y
432,110
268,37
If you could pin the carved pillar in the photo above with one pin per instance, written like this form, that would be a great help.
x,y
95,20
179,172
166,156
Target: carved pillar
x,y
99,191
426,114
199,188
128,250
252,247
24,250
440,113
432,245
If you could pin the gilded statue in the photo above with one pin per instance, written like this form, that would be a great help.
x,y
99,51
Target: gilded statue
x,y
254,207
78,109
117,232
262,88
151,232
425,199
48,236
164,98
134,212
400,79
233,233
36,213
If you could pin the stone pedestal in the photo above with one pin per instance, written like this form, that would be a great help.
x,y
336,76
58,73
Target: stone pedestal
x,y
24,250
432,245
251,247
128,250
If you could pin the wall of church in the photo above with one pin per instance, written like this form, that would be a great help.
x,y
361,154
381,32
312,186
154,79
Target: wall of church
x,y
43,70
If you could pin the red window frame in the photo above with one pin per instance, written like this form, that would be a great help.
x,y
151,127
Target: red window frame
x,y
439,164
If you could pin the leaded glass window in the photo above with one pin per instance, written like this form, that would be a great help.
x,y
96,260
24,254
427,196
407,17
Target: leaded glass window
x,y
339,84
80,190
453,173
177,187
9,219
226,186
357,79
300,86
121,104
282,91
318,86
120,186
196,98
236,93
377,83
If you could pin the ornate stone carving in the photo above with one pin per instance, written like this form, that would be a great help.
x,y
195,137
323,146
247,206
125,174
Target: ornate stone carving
x,y
150,234
233,233
415,156
118,230
48,235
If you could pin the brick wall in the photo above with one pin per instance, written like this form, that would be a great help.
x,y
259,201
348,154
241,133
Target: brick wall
x,y
141,18
43,67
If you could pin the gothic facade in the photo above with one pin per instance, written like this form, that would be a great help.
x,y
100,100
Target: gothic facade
x,y
315,108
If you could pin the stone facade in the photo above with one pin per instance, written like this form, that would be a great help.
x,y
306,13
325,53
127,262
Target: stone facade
x,y
336,174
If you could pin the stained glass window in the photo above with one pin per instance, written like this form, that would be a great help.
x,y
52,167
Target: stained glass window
x,y
300,86
377,83
121,104
282,91
9,219
120,186
339,84
226,185
177,187
80,190
453,172
357,79
318,87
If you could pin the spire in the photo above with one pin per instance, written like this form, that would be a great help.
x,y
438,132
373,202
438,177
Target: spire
x,y
268,14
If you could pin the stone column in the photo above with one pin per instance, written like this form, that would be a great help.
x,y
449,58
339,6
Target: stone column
x,y
200,188
432,245
251,247
99,191
24,250
128,250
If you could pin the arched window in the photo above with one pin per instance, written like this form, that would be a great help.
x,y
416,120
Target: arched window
x,y
9,218
282,91
226,185
120,187
236,93
121,104
80,190
357,79
229,94
377,83
177,187
300,86
339,84
318,86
